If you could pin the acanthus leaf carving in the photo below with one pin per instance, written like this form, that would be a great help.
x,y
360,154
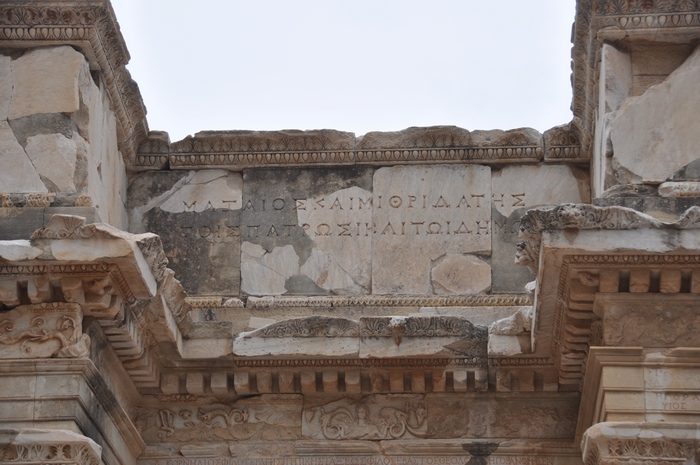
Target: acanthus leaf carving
x,y
313,326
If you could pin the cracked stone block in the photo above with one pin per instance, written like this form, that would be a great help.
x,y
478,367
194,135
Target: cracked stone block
x,y
655,135
324,215
515,190
420,213
45,81
197,216
18,173
461,274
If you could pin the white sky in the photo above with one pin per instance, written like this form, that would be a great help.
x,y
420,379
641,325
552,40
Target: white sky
x,y
354,65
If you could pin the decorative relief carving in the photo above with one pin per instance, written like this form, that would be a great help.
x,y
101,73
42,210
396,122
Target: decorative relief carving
x,y
39,199
314,326
43,330
564,143
58,453
619,7
391,301
375,417
249,148
271,417
428,326
641,452
67,227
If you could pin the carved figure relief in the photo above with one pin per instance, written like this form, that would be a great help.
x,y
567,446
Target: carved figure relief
x,y
375,417
43,330
269,417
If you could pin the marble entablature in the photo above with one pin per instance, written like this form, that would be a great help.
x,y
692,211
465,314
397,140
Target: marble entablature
x,y
322,298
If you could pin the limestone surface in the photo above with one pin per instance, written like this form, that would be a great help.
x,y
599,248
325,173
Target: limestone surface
x,y
45,81
431,211
58,161
18,173
5,86
266,273
337,224
655,135
515,189
461,274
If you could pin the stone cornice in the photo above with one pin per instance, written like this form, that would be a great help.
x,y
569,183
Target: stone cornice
x,y
587,217
237,150
91,26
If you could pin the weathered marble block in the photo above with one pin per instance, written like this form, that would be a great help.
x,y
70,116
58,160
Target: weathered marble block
x,y
655,134
648,320
197,216
429,222
514,190
306,231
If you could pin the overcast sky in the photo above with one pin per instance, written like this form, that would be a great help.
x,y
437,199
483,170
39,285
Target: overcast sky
x,y
354,65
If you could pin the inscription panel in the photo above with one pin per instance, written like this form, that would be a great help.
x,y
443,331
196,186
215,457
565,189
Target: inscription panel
x,y
306,231
678,402
369,460
421,214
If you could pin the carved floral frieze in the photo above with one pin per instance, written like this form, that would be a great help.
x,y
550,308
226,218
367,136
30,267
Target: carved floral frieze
x,y
44,454
313,326
43,330
627,443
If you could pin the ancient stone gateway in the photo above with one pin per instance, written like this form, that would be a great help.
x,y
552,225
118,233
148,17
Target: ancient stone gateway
x,y
321,298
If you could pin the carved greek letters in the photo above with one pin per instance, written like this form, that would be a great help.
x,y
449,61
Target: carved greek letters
x,y
431,211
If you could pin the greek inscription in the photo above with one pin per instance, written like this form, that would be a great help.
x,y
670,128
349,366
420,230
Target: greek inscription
x,y
679,400
339,460
278,204
323,230
512,200
215,233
